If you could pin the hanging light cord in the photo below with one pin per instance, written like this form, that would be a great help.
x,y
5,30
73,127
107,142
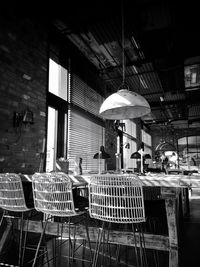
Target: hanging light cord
x,y
123,60
123,85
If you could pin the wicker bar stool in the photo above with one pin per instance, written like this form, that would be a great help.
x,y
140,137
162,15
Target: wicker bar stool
x,y
53,196
14,205
118,199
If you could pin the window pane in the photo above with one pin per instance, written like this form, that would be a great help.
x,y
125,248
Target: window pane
x,y
58,80
192,75
129,145
127,161
146,138
51,139
130,128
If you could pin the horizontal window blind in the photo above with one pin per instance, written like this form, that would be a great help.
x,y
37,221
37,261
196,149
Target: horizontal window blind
x,y
85,139
85,135
84,96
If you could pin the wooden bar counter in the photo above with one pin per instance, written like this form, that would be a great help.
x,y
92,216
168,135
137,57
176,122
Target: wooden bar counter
x,y
171,188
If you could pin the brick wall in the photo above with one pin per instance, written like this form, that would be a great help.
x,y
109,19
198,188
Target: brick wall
x,y
23,84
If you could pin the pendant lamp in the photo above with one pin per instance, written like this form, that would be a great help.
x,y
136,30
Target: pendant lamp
x,y
136,155
101,154
124,104
147,156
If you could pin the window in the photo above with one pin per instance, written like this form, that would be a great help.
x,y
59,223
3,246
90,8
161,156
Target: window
x,y
189,152
85,129
57,114
192,76
129,144
73,112
146,139
58,79
51,139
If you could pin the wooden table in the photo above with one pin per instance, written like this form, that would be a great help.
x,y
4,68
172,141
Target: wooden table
x,y
171,187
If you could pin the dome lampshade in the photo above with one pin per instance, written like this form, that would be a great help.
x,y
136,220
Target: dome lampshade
x,y
136,155
124,104
101,154
147,156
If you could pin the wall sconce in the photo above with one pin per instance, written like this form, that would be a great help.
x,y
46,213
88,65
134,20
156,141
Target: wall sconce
x,y
25,117
126,145
119,125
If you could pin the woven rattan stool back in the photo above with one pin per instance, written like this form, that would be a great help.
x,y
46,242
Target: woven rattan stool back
x,y
52,194
116,198
11,193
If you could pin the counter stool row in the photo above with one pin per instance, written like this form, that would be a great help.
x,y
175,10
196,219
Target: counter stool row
x,y
113,199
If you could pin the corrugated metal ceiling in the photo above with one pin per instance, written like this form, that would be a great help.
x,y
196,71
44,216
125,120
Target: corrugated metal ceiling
x,y
157,43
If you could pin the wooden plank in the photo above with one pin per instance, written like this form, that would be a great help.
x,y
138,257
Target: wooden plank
x,y
158,242
170,192
173,258
162,180
185,201
171,212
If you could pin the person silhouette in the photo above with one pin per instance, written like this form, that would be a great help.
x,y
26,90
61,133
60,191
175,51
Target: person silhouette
x,y
80,165
165,164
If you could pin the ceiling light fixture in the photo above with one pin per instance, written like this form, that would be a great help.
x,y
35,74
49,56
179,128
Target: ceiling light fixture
x,y
136,155
124,104
101,154
161,98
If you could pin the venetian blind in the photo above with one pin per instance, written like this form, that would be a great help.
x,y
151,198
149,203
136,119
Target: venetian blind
x,y
85,134
84,96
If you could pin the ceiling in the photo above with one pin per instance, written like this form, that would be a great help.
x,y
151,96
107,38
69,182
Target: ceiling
x,y
162,45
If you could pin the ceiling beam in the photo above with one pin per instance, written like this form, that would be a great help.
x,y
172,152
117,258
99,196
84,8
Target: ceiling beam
x,y
192,101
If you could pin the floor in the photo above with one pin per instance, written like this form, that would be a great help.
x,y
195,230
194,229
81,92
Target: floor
x,y
189,245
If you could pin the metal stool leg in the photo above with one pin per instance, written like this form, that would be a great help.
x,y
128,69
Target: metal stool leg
x,y
24,243
152,228
135,247
88,237
2,217
20,238
143,256
117,255
39,243
70,244
98,245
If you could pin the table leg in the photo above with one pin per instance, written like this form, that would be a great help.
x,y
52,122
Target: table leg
x,y
185,201
173,258
171,212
